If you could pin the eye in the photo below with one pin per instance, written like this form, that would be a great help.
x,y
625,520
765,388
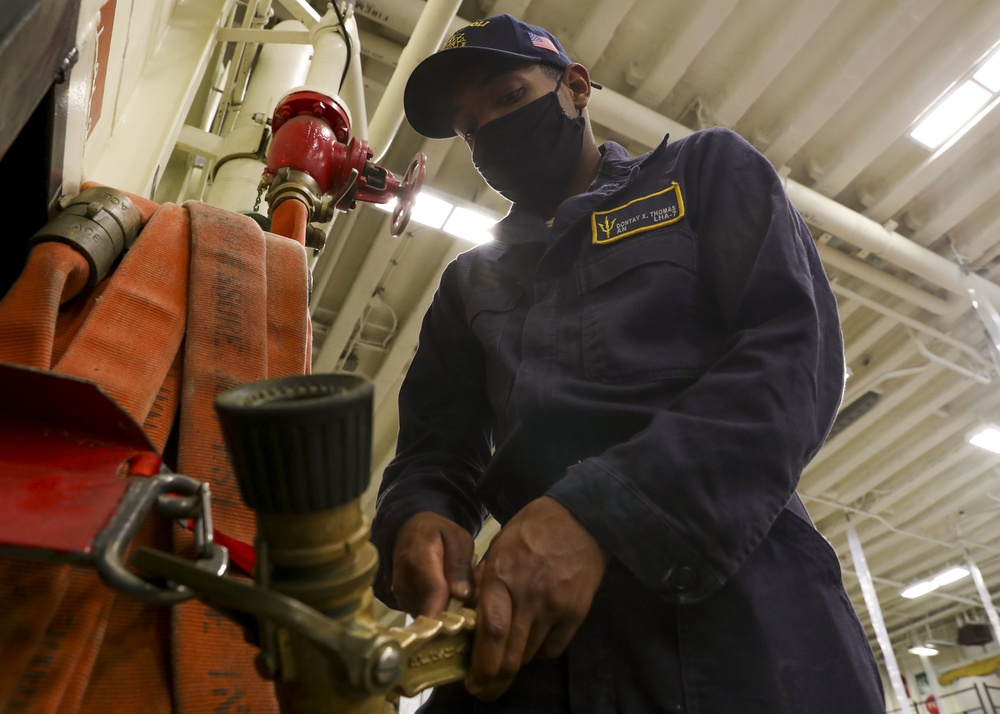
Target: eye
x,y
511,97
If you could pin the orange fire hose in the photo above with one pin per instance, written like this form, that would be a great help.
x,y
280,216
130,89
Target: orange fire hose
x,y
202,302
290,219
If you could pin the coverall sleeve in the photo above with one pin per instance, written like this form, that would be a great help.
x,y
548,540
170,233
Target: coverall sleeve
x,y
444,437
687,499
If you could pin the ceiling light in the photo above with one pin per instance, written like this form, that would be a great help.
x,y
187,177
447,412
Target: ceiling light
x,y
943,578
951,115
430,210
985,437
427,210
989,74
387,207
950,575
470,225
922,651
465,223
918,589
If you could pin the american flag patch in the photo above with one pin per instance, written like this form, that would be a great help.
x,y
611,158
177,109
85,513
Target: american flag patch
x,y
543,42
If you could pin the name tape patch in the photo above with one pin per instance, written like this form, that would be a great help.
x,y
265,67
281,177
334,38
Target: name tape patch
x,y
639,215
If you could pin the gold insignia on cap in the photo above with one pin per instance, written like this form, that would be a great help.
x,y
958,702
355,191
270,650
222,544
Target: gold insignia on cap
x,y
456,40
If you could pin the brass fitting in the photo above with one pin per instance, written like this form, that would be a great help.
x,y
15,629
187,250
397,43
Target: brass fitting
x,y
300,447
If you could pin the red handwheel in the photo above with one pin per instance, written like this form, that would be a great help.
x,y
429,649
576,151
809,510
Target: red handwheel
x,y
413,180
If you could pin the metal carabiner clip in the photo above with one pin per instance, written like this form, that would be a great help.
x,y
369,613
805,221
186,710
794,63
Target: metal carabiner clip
x,y
177,497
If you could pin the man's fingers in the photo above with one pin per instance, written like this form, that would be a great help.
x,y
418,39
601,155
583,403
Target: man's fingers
x,y
419,592
556,640
536,639
535,589
457,564
493,617
432,563
498,646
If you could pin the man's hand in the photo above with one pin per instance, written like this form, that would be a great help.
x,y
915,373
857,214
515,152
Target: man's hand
x,y
535,587
432,563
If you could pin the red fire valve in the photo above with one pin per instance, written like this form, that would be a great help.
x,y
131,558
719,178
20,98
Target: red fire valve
x,y
311,157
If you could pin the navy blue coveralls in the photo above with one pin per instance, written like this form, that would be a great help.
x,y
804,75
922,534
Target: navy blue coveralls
x,y
663,361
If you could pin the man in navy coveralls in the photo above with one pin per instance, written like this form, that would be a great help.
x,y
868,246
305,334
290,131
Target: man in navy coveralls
x,y
630,379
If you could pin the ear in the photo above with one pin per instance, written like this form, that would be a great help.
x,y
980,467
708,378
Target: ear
x,y
577,79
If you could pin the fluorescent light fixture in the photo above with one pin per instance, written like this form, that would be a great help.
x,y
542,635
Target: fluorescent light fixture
x,y
989,74
427,210
470,225
386,207
943,578
951,115
460,222
919,589
950,575
985,437
923,651
430,210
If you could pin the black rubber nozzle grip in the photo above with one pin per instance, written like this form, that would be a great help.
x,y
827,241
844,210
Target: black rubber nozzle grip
x,y
299,444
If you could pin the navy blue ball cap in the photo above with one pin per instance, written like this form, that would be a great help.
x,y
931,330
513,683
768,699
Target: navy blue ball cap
x,y
425,99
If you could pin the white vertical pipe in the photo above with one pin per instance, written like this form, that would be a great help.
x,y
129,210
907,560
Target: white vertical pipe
x,y
984,595
428,34
329,57
279,68
875,613
352,91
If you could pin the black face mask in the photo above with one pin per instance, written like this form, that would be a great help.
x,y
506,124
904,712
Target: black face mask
x,y
529,155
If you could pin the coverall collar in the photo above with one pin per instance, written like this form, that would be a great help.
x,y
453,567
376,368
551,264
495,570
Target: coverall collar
x,y
522,225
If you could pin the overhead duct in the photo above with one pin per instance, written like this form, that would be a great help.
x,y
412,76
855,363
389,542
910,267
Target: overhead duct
x,y
854,411
632,119
637,121
428,33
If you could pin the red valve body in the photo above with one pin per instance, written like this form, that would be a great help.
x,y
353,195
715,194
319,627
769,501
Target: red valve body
x,y
306,143
310,135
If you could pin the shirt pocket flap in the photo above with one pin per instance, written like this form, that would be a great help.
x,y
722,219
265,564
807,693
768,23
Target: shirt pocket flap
x,y
675,247
497,299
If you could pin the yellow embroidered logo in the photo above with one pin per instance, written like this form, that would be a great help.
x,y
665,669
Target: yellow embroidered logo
x,y
479,23
456,40
608,224
639,215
